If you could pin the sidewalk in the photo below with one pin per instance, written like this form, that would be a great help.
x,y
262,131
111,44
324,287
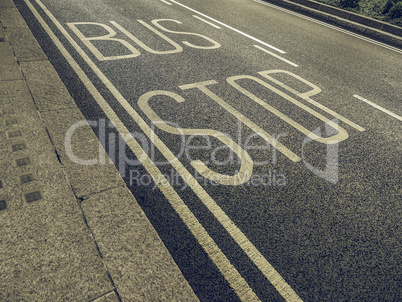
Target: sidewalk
x,y
67,232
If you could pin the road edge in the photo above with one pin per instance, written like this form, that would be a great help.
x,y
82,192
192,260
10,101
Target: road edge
x,y
363,25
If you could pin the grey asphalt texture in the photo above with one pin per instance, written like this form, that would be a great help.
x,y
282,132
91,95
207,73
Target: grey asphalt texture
x,y
330,242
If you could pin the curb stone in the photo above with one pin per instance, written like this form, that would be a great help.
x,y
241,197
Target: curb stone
x,y
366,26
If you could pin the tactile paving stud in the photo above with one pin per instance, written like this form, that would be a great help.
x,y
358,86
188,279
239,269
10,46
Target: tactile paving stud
x,y
27,178
18,147
23,161
4,92
16,133
8,111
11,122
3,204
33,196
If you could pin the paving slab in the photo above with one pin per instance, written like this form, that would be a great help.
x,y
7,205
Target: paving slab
x,y
25,47
24,127
47,252
2,34
45,86
6,3
75,154
10,17
141,267
9,68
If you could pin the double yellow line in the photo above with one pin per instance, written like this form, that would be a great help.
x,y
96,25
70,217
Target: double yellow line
x,y
230,273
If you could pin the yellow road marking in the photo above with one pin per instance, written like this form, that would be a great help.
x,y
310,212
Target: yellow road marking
x,y
276,56
205,21
177,47
306,95
214,43
340,136
330,26
239,285
398,117
246,168
108,37
166,2
230,27
261,132
236,281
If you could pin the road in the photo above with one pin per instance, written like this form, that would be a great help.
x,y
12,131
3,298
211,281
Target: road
x,y
264,147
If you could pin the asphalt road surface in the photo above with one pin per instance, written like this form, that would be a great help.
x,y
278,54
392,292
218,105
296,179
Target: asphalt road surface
x,y
264,147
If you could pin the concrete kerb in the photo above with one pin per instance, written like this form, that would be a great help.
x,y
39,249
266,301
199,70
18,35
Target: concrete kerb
x,y
155,276
46,251
369,27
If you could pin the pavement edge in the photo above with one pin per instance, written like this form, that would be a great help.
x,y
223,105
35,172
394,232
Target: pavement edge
x,y
135,258
366,26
